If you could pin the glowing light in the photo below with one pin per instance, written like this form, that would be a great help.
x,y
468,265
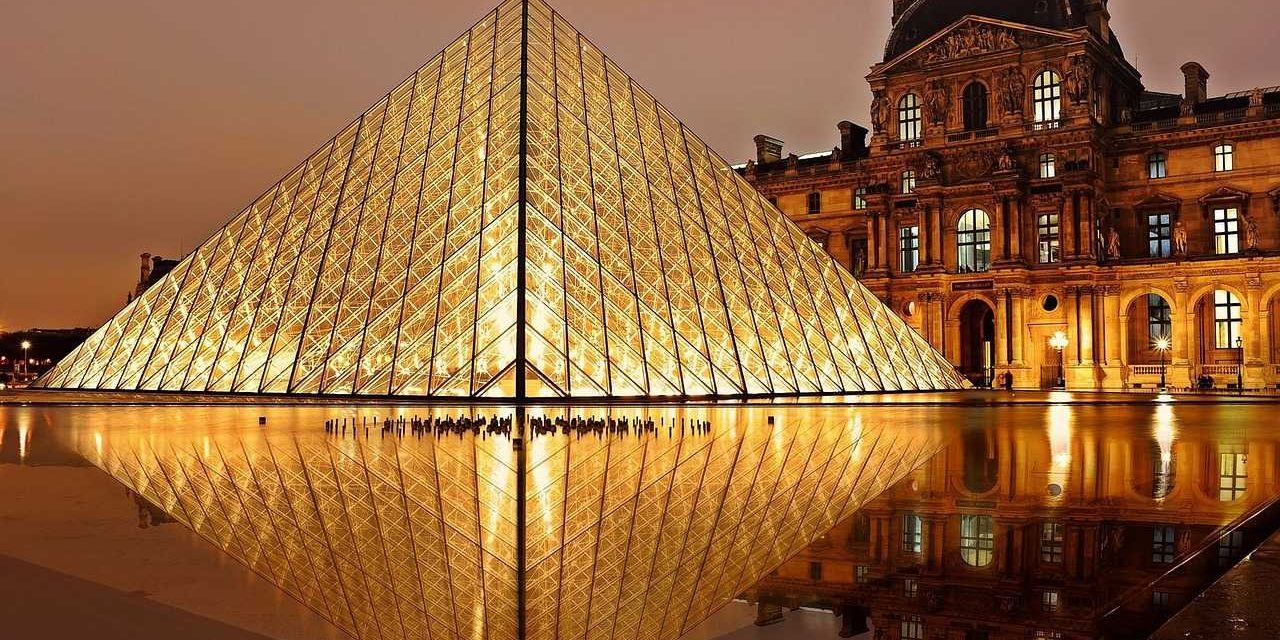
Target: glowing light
x,y
1058,341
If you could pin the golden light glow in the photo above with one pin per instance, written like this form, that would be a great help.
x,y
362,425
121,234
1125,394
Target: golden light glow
x,y
1162,344
387,263
1058,341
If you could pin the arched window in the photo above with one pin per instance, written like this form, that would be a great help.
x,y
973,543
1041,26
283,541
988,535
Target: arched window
x,y
973,241
1047,99
910,118
975,106
977,540
1224,157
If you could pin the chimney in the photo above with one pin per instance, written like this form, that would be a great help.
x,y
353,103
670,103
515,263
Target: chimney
x,y
853,140
1197,83
146,268
1098,18
767,149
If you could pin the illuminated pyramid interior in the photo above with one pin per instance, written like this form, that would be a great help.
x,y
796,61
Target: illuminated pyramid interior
x,y
635,538
517,219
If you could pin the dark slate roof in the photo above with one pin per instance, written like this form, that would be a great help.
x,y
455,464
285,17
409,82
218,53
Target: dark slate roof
x,y
925,18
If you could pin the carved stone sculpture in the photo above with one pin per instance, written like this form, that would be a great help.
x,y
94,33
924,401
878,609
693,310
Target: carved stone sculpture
x,y
937,100
971,40
1079,79
1113,244
1008,159
1179,239
878,116
1250,233
931,169
1013,91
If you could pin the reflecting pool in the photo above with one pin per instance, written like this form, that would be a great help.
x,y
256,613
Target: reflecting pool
x,y
974,516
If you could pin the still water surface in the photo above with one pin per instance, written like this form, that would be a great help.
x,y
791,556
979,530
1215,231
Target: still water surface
x,y
912,516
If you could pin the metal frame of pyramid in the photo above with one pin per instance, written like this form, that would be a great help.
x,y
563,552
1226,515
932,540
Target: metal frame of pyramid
x,y
517,219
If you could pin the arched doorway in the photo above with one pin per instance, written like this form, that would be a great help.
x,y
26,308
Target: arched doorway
x,y
978,342
1150,326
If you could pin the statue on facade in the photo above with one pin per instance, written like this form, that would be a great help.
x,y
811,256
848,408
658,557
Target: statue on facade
x,y
1079,79
751,169
1179,238
937,100
932,167
1013,90
1113,243
1007,161
879,105
1250,233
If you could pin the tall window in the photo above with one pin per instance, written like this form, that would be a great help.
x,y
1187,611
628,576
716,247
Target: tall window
x,y
911,535
860,199
977,540
815,571
1232,478
862,574
1046,98
1159,235
815,202
1163,546
1049,232
909,248
908,181
910,118
1048,165
1226,319
1049,601
1224,157
1159,319
1158,165
976,100
973,241
1052,542
912,628
1226,230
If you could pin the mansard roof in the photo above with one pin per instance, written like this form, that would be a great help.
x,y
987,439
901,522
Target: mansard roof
x,y
925,18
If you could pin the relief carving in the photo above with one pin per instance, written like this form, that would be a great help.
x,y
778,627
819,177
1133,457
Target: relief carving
x,y
879,106
973,164
1079,79
970,40
937,100
1013,91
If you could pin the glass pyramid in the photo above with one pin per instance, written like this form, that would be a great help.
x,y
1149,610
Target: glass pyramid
x,y
517,219
635,538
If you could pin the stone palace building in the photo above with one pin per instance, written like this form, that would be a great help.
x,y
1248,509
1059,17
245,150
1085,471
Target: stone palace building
x,y
1020,183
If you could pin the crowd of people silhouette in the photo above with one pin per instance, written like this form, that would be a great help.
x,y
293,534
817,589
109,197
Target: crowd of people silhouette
x,y
485,426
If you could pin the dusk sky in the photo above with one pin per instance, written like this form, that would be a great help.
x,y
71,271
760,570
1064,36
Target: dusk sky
x,y
143,125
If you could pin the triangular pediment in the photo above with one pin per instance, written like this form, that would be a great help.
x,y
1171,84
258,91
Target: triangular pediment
x,y
971,37
518,219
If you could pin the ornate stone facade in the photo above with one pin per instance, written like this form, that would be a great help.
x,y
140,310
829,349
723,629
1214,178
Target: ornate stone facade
x,y
1050,192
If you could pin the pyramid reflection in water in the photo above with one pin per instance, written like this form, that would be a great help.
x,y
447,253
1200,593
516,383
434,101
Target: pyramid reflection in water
x,y
517,219
634,538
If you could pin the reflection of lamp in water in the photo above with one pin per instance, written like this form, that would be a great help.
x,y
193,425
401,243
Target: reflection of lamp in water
x,y
1162,345
1058,341
1060,435
1165,435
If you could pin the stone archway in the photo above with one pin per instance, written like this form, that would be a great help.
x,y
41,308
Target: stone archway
x,y
1219,331
978,342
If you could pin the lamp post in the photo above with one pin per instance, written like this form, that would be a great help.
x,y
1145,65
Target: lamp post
x,y
26,362
1162,345
1240,368
1059,343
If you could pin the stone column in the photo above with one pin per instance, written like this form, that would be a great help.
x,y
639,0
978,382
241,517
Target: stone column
x,y
873,255
1184,336
926,235
1087,332
1015,229
890,235
1020,300
1113,328
1255,341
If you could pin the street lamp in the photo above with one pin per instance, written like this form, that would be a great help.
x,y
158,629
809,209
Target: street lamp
x,y
1059,343
1240,369
26,362
1162,346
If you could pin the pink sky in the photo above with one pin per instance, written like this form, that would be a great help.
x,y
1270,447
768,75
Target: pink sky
x,y
143,125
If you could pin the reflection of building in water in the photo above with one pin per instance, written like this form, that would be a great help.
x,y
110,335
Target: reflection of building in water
x,y
996,538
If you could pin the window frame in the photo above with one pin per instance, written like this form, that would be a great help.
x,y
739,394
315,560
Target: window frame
x,y
912,533
976,106
1046,99
908,248
1157,165
1224,157
813,203
1160,234
973,245
910,118
1226,230
1233,475
911,628
1228,320
1049,237
1048,163
860,198
1159,319
908,182
1164,544
977,540
1053,542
